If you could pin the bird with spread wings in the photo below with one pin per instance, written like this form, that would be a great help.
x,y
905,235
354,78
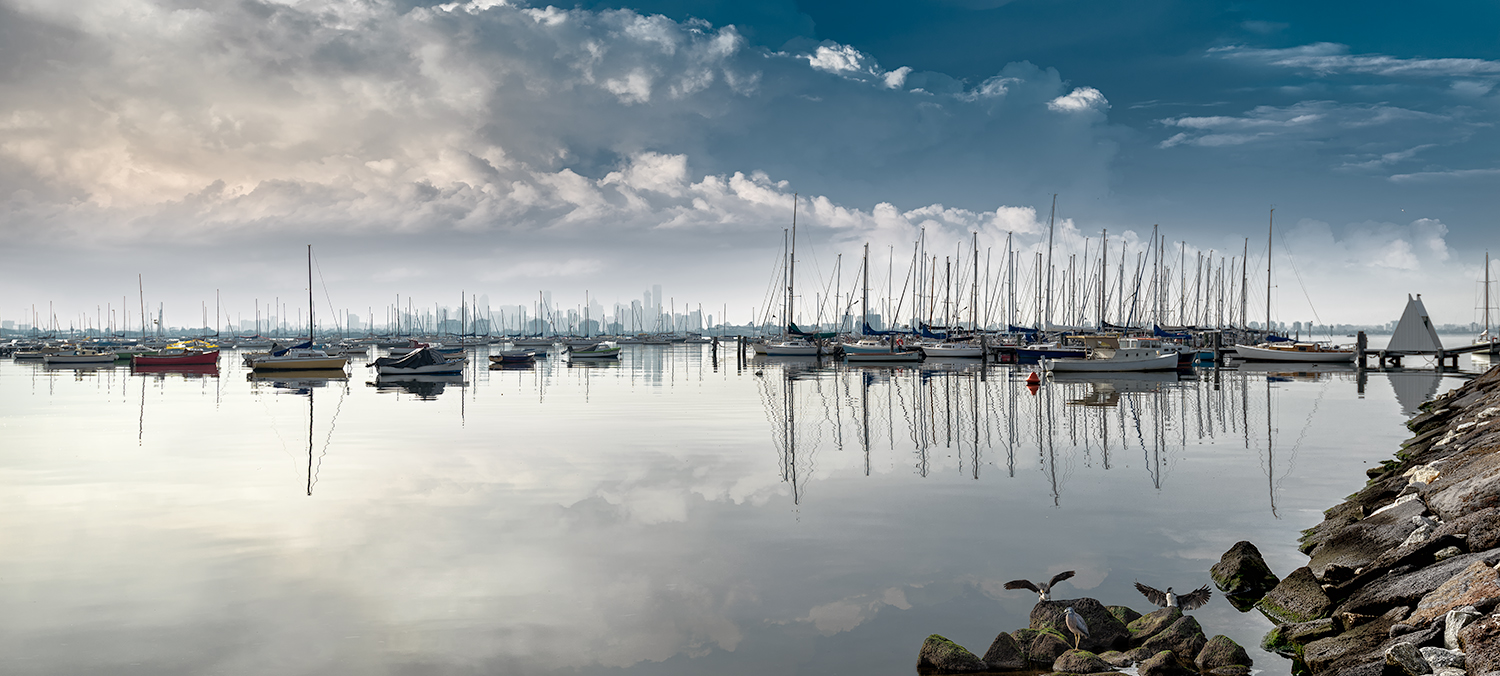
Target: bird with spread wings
x,y
1042,589
1167,599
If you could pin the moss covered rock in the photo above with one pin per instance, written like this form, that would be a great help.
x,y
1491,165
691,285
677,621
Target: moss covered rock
x,y
1080,662
1106,632
1047,647
1298,598
1184,638
1005,654
942,656
1221,651
1152,623
1163,663
1125,614
1243,573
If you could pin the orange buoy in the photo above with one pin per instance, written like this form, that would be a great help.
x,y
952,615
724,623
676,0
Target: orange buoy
x,y
1033,378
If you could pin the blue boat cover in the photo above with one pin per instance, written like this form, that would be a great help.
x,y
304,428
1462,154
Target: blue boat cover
x,y
282,352
1159,333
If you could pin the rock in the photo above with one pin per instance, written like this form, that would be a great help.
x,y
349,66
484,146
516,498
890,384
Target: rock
x,y
1221,651
1184,638
1125,614
1137,655
940,655
1148,625
1442,657
1080,662
1116,658
1405,657
1446,553
1449,671
1242,572
1472,585
1047,647
1163,663
1396,589
1480,642
1360,543
1275,642
1358,646
1466,487
1024,637
1298,598
1457,619
1334,519
1232,670
1303,633
1005,654
1105,631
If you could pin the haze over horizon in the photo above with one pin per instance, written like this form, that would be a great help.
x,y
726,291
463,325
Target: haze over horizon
x,y
502,148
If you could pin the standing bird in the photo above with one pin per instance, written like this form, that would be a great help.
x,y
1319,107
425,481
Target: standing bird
x,y
1076,625
1166,599
1043,589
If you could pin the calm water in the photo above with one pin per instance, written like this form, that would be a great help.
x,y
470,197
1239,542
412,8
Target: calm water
x,y
663,515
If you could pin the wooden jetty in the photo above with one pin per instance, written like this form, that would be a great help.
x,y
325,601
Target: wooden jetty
x,y
1415,336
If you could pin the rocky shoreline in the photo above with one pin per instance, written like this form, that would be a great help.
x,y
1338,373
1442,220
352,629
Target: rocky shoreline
x,y
1403,577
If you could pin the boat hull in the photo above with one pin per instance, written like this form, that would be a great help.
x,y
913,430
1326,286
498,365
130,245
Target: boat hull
x,y
883,357
191,359
59,359
1251,353
300,364
963,352
1163,362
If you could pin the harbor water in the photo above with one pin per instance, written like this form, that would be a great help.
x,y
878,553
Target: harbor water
x,y
675,512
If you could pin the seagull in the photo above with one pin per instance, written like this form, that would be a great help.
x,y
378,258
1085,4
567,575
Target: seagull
x,y
1076,625
1043,589
1167,599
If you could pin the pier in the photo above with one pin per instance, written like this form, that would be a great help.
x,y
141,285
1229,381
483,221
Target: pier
x,y
1415,336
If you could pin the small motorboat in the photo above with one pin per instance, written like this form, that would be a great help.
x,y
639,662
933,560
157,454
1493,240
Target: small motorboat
x,y
513,357
884,357
69,357
605,350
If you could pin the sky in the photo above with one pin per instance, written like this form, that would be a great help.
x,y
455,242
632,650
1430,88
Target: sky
x,y
503,148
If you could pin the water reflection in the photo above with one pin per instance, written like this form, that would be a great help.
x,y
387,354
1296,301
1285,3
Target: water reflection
x,y
967,419
426,388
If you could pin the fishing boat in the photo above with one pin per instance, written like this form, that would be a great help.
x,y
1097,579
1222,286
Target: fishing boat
x,y
1130,356
424,361
605,350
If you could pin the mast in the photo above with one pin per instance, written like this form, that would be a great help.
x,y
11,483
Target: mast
x,y
1051,231
1103,276
974,308
310,330
1245,279
1487,297
864,303
1269,225
791,269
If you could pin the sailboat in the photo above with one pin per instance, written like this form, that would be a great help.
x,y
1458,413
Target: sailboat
x,y
1486,337
303,357
1287,351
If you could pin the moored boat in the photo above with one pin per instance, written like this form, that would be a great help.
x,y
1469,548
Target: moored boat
x,y
423,361
1294,352
884,357
78,357
178,358
605,350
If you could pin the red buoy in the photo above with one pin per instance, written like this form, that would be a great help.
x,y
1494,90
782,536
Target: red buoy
x,y
1033,378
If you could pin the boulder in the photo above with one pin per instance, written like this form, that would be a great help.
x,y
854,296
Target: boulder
x,y
1242,572
1221,651
1472,585
1164,663
1406,589
1080,662
1024,637
1303,633
1480,642
1275,642
942,656
1116,658
1442,657
1151,623
1137,655
1231,670
1047,647
1124,614
1360,543
1298,598
1334,519
1184,638
1105,631
1352,649
1450,671
1468,486
1005,654
1404,656
1456,620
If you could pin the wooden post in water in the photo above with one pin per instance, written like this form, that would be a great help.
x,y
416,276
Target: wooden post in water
x,y
1361,346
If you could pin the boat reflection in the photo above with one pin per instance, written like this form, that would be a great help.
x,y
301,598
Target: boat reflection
x,y
184,370
424,387
297,380
972,419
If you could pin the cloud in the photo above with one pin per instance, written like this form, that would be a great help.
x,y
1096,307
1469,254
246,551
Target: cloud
x,y
1327,122
1446,176
1327,58
1079,100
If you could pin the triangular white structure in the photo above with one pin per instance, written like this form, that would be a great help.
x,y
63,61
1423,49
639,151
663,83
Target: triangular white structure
x,y
1414,333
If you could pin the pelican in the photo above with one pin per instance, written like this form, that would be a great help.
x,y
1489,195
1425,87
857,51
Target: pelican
x,y
1076,625
1167,599
1042,589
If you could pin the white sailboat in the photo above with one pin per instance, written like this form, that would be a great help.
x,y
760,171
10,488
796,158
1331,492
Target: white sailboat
x,y
302,357
1288,351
